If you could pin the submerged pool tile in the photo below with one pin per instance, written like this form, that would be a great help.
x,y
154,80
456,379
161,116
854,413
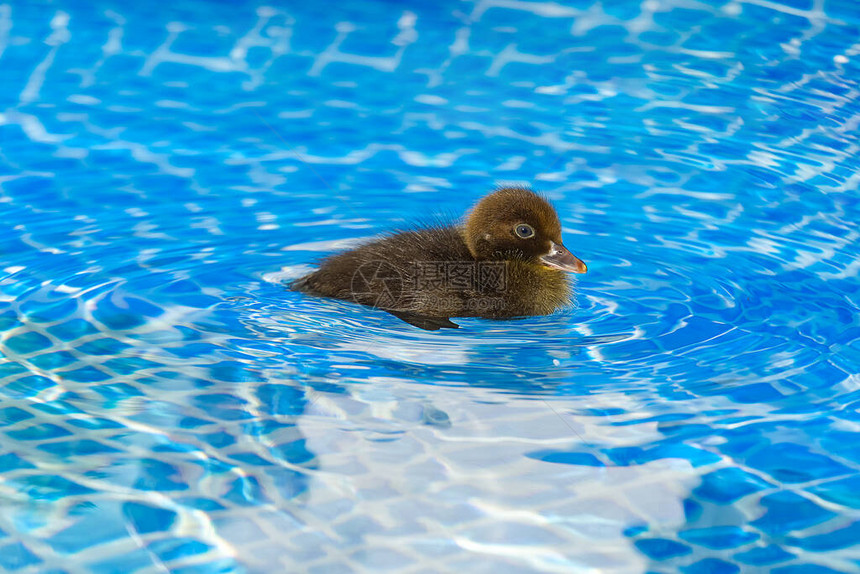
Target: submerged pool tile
x,y
696,456
192,350
845,491
74,448
12,415
764,556
695,330
294,452
754,393
158,475
146,518
9,368
379,559
245,491
117,391
846,537
719,537
49,311
51,487
61,408
633,531
223,406
681,432
288,482
787,511
741,442
29,342
94,423
231,372
805,568
133,313
72,330
8,320
200,503
265,427
28,386
793,463
42,431
98,527
711,566
692,510
16,556
219,566
56,360
238,529
626,456
726,485
129,365
662,548
127,222
86,375
218,439
250,458
103,347
193,422
281,399
135,560
178,547
332,569
844,444
562,457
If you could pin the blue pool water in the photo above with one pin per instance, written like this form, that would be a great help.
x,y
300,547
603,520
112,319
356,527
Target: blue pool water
x,y
167,406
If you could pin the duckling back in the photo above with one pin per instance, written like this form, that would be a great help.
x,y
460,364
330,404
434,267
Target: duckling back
x,y
387,273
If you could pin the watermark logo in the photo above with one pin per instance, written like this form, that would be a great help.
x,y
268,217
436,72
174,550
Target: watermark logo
x,y
378,283
472,287
478,276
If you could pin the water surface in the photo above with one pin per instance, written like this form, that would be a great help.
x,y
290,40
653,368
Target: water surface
x,y
166,405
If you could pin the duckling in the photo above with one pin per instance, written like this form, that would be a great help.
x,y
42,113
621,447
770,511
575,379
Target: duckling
x,y
506,260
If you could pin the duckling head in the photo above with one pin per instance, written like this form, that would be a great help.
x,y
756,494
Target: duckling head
x,y
517,223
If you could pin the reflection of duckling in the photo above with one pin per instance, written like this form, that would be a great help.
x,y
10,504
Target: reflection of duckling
x,y
507,260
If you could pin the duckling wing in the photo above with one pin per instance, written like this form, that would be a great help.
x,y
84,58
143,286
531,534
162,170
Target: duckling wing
x,y
424,322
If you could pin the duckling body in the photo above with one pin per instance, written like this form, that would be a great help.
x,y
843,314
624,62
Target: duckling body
x,y
505,261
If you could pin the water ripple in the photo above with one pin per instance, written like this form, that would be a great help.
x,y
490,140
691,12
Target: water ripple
x,y
166,403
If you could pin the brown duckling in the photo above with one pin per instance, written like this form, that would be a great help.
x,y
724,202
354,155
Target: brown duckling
x,y
507,260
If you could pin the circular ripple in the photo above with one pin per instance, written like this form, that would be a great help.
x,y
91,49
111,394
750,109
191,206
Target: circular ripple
x,y
165,402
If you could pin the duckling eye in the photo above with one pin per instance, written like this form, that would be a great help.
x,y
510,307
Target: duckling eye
x,y
524,231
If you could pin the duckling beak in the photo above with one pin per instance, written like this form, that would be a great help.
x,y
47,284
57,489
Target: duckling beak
x,y
560,258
